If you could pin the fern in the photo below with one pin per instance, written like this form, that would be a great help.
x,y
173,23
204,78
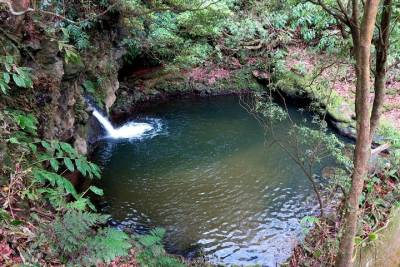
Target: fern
x,y
77,35
74,238
108,244
155,237
54,179
46,183
152,253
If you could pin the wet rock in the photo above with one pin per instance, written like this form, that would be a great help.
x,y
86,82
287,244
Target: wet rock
x,y
345,129
111,88
48,54
72,70
80,145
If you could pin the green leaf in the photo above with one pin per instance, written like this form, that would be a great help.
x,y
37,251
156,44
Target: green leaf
x,y
27,122
309,220
96,190
6,77
69,164
95,170
44,157
4,215
358,240
68,186
42,176
8,67
68,148
32,147
46,145
91,206
20,82
54,179
79,204
4,87
13,140
16,222
80,165
54,164
373,236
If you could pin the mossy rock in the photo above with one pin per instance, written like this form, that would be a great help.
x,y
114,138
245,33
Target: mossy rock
x,y
291,84
341,113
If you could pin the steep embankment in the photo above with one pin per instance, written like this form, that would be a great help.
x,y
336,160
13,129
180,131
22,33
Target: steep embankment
x,y
57,96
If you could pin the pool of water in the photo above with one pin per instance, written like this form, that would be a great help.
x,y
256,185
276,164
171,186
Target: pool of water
x,y
212,179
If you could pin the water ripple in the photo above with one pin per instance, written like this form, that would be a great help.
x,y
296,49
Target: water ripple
x,y
208,179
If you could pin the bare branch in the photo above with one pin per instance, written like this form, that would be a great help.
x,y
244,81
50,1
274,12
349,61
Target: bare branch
x,y
13,11
331,11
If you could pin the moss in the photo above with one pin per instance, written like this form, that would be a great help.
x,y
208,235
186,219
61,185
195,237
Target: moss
x,y
341,112
241,79
297,85
81,115
290,83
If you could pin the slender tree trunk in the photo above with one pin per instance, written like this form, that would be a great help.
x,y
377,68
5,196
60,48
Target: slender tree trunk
x,y
354,25
382,46
363,143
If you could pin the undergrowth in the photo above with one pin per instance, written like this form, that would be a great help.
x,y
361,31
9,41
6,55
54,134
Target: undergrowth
x,y
381,193
44,218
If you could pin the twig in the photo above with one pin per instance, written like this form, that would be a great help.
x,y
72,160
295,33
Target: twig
x,y
13,11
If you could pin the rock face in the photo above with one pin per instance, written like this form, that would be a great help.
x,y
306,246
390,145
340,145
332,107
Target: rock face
x,y
58,97
69,120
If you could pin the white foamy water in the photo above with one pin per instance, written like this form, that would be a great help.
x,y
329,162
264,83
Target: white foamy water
x,y
128,130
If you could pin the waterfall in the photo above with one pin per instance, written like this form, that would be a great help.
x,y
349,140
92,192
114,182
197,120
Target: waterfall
x,y
128,130
104,122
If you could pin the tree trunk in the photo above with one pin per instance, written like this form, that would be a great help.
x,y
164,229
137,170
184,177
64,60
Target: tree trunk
x,y
363,143
354,25
382,46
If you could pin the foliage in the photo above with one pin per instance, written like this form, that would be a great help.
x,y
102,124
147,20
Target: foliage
x,y
54,154
311,20
308,146
73,238
194,54
10,71
152,253
179,35
270,110
320,143
394,48
307,222
389,134
70,53
76,35
93,89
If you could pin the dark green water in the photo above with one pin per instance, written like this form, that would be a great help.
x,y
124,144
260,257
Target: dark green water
x,y
210,180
